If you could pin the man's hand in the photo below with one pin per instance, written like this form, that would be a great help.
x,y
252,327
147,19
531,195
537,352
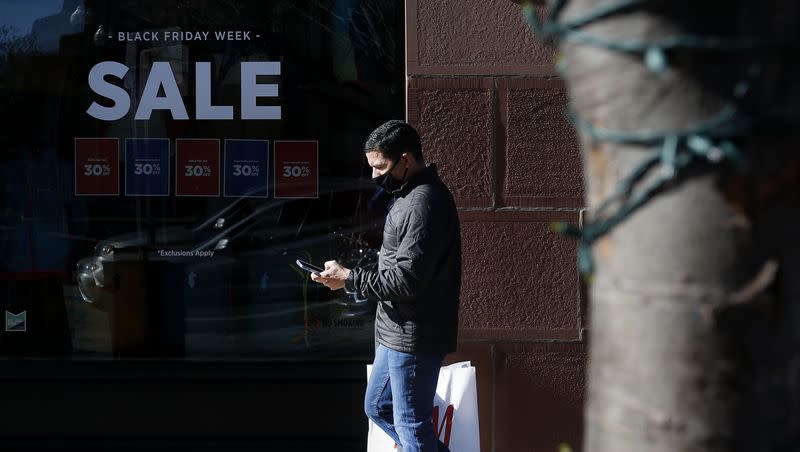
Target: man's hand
x,y
333,277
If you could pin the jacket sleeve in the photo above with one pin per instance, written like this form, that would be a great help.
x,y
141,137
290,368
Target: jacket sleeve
x,y
423,236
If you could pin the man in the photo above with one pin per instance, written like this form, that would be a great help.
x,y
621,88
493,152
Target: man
x,y
416,285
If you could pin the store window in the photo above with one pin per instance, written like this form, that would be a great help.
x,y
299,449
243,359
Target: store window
x,y
163,164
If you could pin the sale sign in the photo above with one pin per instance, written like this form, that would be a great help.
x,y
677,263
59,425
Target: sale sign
x,y
96,167
246,168
147,167
197,167
296,169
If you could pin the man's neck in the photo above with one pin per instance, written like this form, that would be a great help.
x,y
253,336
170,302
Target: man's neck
x,y
413,170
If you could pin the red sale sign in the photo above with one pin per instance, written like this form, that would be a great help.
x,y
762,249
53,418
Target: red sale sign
x,y
197,167
296,169
96,167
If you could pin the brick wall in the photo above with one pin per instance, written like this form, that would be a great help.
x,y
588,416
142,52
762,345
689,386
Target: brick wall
x,y
489,106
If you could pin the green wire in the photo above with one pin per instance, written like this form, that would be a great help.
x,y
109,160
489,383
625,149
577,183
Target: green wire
x,y
673,151
552,30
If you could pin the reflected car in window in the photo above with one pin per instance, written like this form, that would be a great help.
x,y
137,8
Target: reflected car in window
x,y
229,283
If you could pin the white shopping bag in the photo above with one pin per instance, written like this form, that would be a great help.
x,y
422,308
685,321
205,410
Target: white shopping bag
x,y
455,412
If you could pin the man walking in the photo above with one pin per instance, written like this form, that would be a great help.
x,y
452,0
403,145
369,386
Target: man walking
x,y
416,285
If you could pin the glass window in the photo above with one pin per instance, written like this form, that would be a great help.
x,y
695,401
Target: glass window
x,y
163,164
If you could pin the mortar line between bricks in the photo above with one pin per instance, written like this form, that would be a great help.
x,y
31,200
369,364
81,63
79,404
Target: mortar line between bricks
x,y
583,288
495,145
494,342
519,209
494,76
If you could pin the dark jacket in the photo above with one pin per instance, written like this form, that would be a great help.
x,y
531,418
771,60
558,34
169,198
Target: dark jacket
x,y
418,280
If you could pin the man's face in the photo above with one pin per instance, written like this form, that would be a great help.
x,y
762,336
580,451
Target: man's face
x,y
379,163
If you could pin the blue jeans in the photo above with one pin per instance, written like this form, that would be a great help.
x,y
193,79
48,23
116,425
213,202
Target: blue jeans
x,y
400,395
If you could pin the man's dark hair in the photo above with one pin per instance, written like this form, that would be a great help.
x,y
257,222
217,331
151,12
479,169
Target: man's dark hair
x,y
393,138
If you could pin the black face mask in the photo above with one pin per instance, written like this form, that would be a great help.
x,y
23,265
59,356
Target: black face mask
x,y
386,180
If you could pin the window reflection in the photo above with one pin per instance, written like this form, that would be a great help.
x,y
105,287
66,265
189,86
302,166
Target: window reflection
x,y
206,277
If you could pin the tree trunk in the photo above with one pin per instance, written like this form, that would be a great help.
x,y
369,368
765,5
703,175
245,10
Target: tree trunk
x,y
695,303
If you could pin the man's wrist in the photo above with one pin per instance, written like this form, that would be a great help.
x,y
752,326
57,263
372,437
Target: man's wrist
x,y
350,281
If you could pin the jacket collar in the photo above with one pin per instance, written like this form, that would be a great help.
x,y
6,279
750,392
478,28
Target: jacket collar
x,y
426,175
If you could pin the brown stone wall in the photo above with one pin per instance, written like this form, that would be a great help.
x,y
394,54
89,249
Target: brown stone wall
x,y
490,108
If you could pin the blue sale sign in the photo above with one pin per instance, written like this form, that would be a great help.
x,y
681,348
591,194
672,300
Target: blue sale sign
x,y
246,168
147,167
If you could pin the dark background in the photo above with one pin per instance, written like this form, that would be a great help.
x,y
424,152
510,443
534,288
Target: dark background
x,y
61,398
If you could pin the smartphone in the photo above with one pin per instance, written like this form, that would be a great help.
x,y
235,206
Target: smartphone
x,y
311,268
